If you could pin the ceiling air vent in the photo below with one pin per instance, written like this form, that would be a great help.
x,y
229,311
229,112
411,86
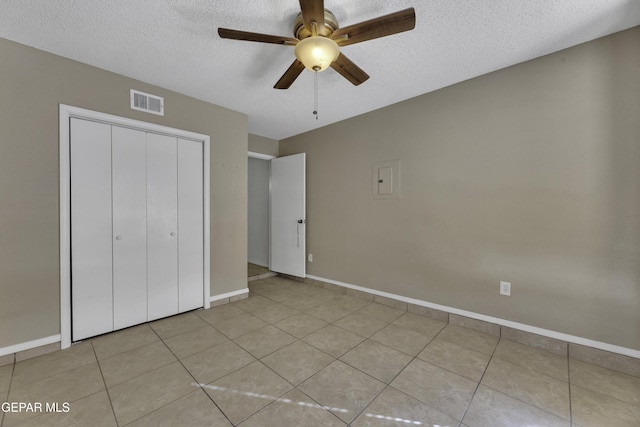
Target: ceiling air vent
x,y
145,102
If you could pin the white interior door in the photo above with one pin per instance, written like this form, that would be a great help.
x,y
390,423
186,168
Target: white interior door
x,y
129,227
288,215
190,224
91,244
162,226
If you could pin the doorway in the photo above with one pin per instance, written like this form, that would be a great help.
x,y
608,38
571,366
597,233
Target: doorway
x,y
258,255
276,215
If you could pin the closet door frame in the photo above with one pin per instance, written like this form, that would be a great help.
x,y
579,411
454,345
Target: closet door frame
x,y
65,114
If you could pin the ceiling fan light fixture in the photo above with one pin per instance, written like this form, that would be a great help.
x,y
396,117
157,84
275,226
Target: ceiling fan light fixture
x,y
317,52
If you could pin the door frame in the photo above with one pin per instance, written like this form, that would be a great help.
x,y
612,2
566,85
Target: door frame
x,y
260,156
66,113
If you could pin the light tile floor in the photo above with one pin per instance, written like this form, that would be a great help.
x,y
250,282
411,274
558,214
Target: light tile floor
x,y
255,270
297,355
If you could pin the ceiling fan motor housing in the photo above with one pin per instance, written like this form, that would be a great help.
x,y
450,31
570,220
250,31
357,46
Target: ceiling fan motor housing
x,y
330,25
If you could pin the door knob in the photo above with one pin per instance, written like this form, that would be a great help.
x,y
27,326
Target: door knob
x,y
118,237
173,233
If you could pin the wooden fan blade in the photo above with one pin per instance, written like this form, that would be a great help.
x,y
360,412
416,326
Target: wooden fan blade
x,y
312,10
226,33
349,70
290,75
386,25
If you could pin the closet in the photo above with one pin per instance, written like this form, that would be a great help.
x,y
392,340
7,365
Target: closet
x,y
136,226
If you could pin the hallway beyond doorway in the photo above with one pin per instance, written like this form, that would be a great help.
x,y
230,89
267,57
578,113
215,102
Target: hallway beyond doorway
x,y
256,272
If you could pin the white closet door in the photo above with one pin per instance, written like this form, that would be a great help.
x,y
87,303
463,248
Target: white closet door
x,y
91,296
162,225
129,227
190,225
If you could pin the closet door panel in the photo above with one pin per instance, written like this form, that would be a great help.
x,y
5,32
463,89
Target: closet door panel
x,y
91,296
190,225
129,227
162,226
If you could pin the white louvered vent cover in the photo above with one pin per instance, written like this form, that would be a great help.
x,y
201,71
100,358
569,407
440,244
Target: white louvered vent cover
x,y
145,102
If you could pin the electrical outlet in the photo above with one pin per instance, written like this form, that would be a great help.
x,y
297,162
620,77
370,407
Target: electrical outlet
x,y
505,288
310,257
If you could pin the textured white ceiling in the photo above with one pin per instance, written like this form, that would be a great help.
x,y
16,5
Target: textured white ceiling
x,y
174,44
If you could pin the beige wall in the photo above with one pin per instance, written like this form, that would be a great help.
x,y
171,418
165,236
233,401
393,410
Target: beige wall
x,y
530,174
262,145
32,84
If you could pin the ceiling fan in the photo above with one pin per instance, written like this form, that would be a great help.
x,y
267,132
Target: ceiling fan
x,y
318,38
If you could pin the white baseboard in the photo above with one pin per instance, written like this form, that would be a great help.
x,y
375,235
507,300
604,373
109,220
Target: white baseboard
x,y
502,322
515,325
229,294
56,338
29,345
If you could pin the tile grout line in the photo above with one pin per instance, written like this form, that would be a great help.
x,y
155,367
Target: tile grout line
x,y
518,399
124,353
609,396
294,387
13,369
190,374
106,389
387,385
493,352
335,359
474,391
374,398
268,404
368,338
527,403
160,367
546,375
324,407
87,342
322,351
257,360
492,357
417,358
569,385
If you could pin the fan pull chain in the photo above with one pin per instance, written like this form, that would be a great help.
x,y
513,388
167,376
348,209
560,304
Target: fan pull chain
x,y
315,94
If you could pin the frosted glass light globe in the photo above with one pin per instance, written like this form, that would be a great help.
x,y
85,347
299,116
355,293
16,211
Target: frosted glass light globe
x,y
317,52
